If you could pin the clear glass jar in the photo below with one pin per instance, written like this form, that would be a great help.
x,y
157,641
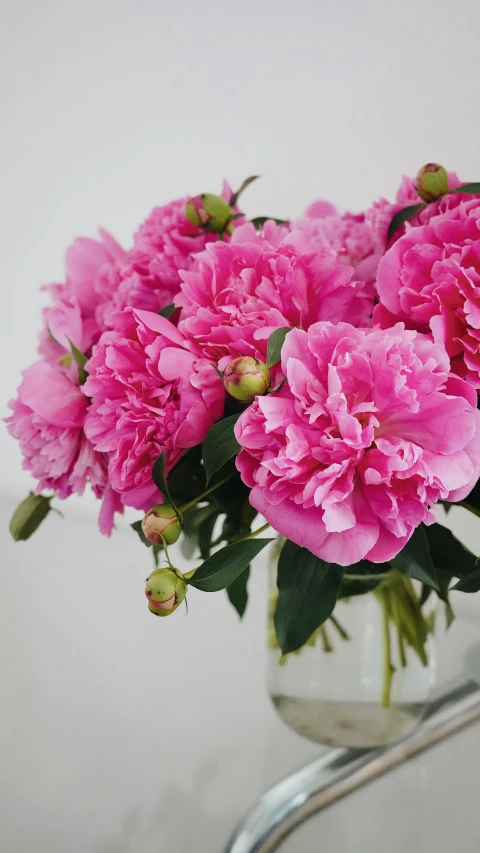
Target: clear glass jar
x,y
364,691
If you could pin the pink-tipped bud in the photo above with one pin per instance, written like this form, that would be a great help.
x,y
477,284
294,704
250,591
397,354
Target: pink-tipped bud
x,y
165,590
209,212
431,182
245,378
161,523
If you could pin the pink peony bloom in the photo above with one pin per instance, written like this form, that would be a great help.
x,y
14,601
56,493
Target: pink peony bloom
x,y
349,235
72,316
380,215
347,459
47,419
430,279
241,291
148,276
150,393
102,278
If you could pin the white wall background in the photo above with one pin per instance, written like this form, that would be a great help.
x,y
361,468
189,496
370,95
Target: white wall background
x,y
109,107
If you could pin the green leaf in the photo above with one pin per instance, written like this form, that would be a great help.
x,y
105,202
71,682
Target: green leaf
x,y
472,501
28,515
470,583
193,520
350,588
224,567
307,593
238,520
234,198
425,594
205,533
238,593
167,311
451,559
403,216
448,553
275,344
415,561
259,221
217,371
219,445
449,614
467,188
80,360
187,479
158,475
279,387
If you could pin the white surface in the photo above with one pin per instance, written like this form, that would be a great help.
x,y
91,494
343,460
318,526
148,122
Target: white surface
x,y
120,733
124,733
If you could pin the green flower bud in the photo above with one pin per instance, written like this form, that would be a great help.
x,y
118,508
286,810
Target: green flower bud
x,y
161,523
28,516
165,590
246,377
432,182
209,212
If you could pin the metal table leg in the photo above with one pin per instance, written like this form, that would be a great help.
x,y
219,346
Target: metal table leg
x,y
342,771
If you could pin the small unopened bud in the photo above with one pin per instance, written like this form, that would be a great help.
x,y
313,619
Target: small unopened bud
x,y
161,523
246,377
165,590
432,182
209,212
28,516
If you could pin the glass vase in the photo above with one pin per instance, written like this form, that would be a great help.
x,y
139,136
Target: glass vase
x,y
360,681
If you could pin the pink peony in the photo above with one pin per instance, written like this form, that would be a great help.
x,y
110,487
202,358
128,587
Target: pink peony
x,y
102,278
351,454
241,291
47,419
148,276
430,279
349,235
150,393
380,215
72,317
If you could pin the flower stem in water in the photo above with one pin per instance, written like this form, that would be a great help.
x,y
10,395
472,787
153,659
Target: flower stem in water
x,y
388,668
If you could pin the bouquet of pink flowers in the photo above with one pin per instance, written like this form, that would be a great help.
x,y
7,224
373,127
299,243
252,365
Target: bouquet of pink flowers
x,y
322,373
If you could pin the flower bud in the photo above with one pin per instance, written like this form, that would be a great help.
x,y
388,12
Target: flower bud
x,y
165,590
246,377
28,516
161,523
209,212
432,182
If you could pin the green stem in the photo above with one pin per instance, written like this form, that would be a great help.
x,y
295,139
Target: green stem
x,y
470,508
204,494
398,625
415,621
380,577
388,668
341,630
327,646
256,532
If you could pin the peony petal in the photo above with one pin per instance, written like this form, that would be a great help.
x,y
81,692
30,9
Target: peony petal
x,y
50,394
